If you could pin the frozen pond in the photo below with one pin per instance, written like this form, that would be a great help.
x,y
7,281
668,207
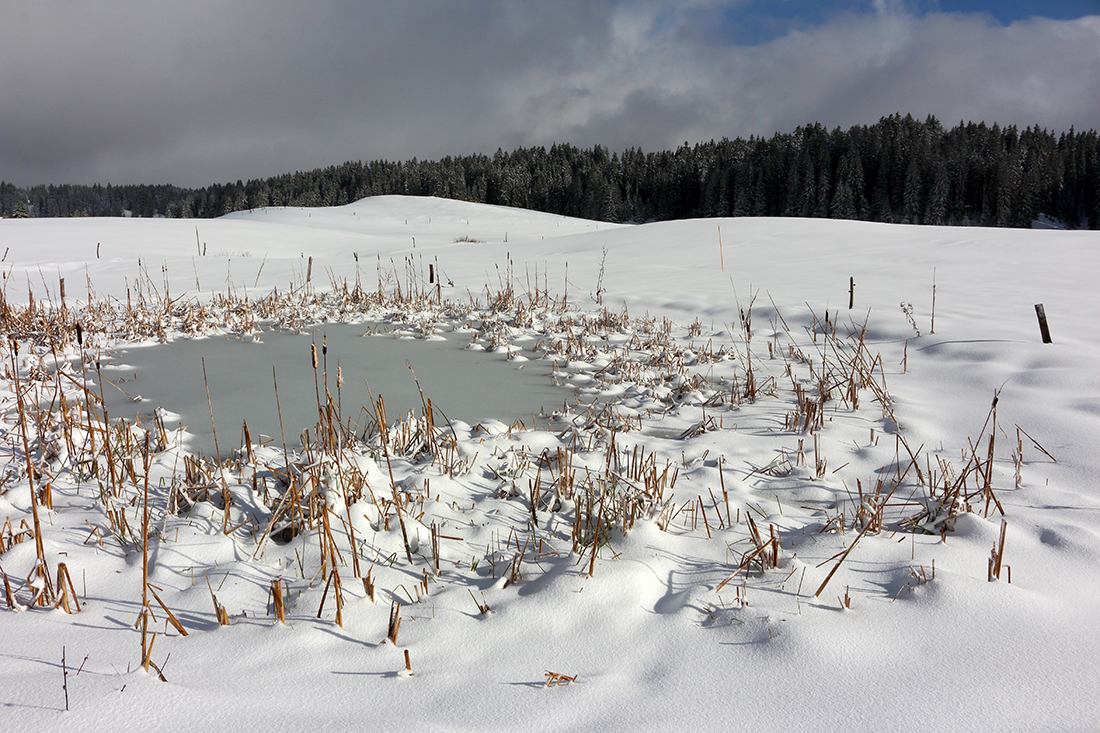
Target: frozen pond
x,y
463,384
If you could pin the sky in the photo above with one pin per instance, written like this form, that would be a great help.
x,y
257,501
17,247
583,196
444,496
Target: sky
x,y
213,91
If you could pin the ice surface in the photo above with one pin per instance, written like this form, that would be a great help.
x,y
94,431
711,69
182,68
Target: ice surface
x,y
370,360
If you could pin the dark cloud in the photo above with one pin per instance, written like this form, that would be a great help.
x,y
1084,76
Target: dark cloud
x,y
213,91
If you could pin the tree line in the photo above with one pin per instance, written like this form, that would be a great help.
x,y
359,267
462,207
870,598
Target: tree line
x,y
898,170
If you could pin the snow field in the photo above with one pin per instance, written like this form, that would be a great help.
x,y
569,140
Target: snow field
x,y
669,626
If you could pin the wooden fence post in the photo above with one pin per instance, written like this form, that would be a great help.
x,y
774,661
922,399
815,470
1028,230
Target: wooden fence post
x,y
1043,328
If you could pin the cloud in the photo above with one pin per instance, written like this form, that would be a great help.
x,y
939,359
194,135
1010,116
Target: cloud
x,y
213,91
852,70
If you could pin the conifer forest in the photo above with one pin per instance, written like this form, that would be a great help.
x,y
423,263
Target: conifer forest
x,y
899,170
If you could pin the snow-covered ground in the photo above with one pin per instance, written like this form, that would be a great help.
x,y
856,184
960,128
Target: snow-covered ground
x,y
673,624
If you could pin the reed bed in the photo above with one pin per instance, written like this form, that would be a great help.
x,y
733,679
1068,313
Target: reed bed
x,y
355,495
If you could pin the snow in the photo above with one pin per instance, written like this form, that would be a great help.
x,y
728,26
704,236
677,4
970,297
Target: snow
x,y
663,633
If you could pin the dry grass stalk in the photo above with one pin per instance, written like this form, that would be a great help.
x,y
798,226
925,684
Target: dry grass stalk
x,y
820,463
65,672
227,498
368,585
514,566
44,596
150,663
65,589
145,650
557,679
1018,458
988,488
289,499
8,595
248,444
482,607
764,552
703,509
435,547
10,537
997,555
395,622
277,600
933,325
954,496
843,557
171,616
330,561
338,591
596,538
393,483
1036,444
219,610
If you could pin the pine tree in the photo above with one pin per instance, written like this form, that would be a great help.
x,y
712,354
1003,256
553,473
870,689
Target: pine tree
x,y
936,212
912,196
